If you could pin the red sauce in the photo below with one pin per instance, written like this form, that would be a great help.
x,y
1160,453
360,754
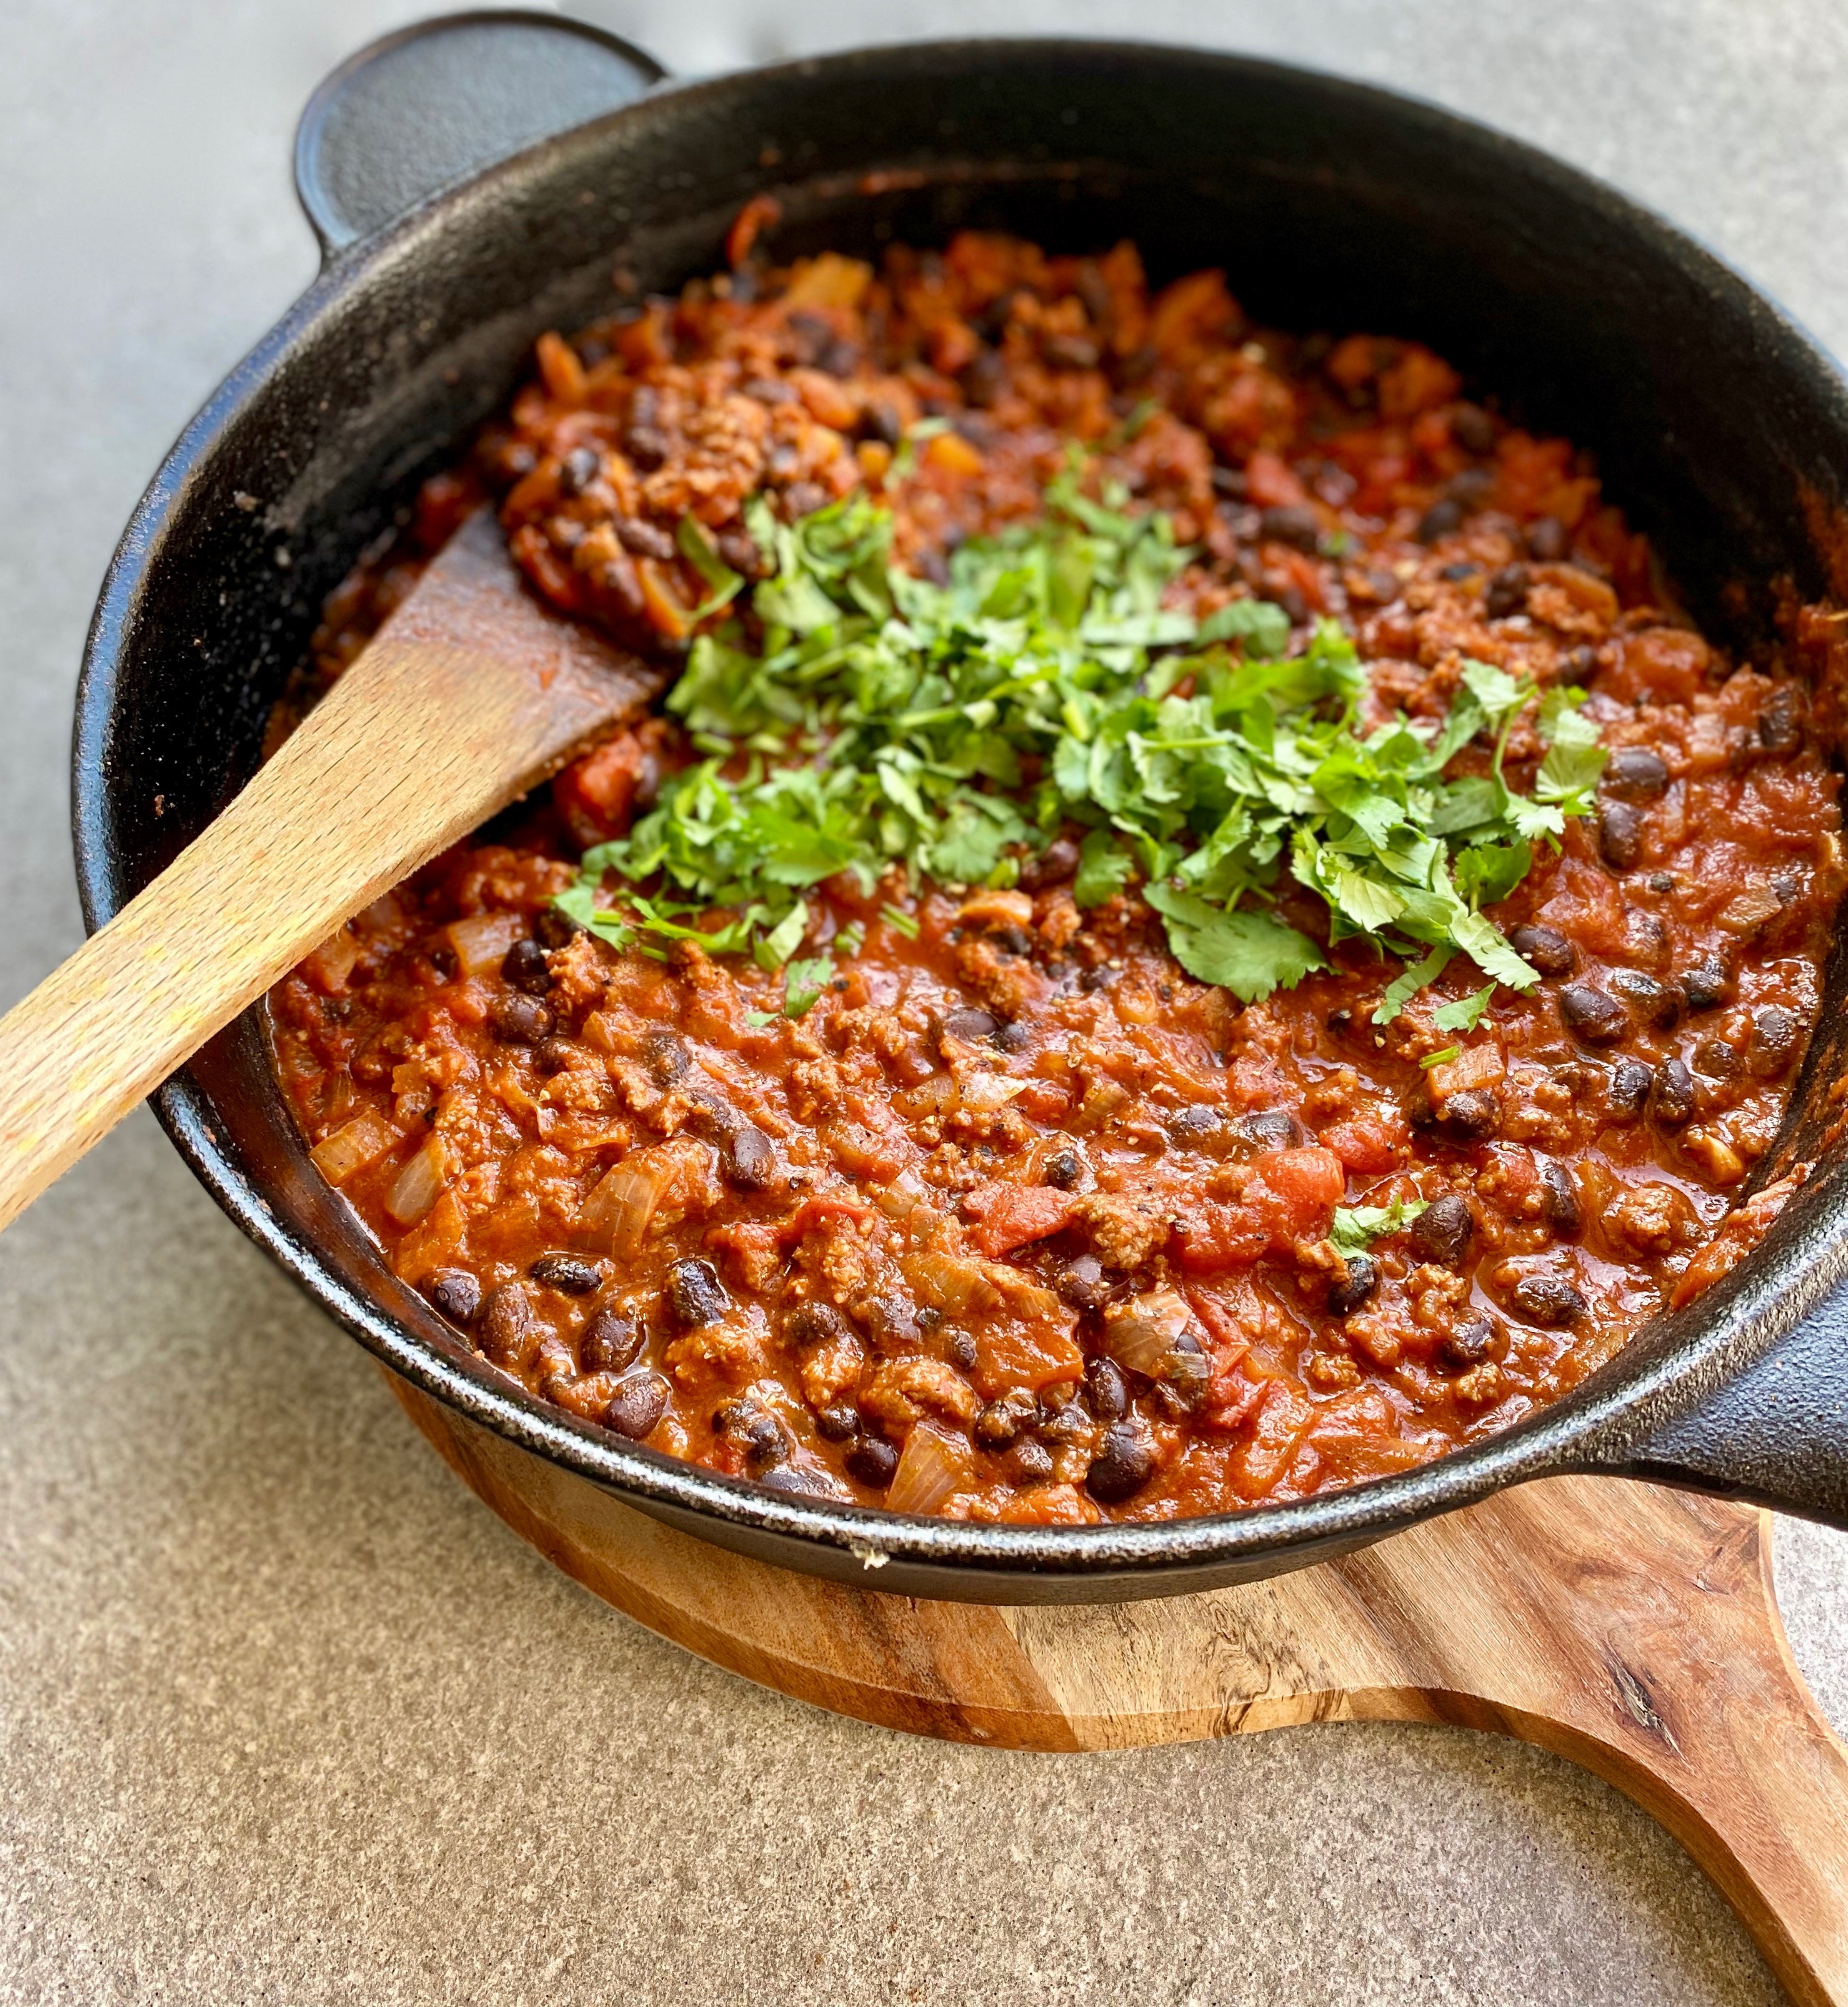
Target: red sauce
x,y
1018,1210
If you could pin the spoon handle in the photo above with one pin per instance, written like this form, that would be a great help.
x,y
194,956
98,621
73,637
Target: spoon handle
x,y
470,695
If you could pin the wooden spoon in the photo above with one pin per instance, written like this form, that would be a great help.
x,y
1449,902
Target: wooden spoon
x,y
472,692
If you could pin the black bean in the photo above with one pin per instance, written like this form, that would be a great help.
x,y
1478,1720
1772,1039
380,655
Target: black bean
x,y
1014,1038
1081,1283
1598,1018
1548,1300
1271,1128
507,1325
1631,1081
554,929
839,1423
891,1322
1188,1371
1645,939
647,445
1671,1100
1580,663
570,1273
959,1348
1196,1124
739,549
872,1460
1443,519
1634,773
1029,1461
1780,723
578,469
455,1293
1470,1347
1010,940
814,1323
1442,1231
1064,1168
1363,1278
1545,948
665,1054
1055,865
984,379
1454,574
1295,526
1773,1040
1707,985
1653,1002
1472,429
1471,486
1123,1465
881,422
553,1055
1717,1058
611,1342
1001,1421
520,1020
750,1158
1469,1117
1508,592
1105,1388
974,1027
1066,1423
695,1294
637,1405
764,1441
1547,540
1559,1197
1620,833
708,1115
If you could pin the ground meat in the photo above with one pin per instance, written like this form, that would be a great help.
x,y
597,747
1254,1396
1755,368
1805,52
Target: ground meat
x,y
1014,1172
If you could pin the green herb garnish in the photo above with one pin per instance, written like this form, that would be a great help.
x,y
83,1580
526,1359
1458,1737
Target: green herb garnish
x,y
1357,1227
882,720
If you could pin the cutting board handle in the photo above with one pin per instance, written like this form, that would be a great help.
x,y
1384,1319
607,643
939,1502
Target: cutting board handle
x,y
1629,1627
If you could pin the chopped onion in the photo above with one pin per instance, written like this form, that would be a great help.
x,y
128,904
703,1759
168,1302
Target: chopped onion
x,y
997,909
330,963
363,1141
417,1187
934,1464
955,1284
623,1204
1747,912
1143,1334
481,944
901,1198
986,1091
937,1095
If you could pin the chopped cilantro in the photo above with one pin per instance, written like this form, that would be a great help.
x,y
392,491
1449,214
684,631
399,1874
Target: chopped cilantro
x,y
1104,867
899,923
1357,1227
802,982
1463,1015
867,720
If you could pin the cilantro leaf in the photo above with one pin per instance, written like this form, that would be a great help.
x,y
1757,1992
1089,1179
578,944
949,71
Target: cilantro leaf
x,y
1462,1016
803,983
1409,982
1357,1227
1261,624
1250,954
1104,868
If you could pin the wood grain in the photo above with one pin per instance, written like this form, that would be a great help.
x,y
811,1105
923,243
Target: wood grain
x,y
470,694
1632,1629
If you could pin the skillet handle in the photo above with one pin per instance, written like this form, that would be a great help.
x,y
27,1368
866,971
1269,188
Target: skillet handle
x,y
421,110
1774,1433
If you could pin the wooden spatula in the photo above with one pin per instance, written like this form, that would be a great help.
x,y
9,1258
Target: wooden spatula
x,y
471,694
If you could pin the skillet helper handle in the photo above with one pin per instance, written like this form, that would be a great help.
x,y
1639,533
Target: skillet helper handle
x,y
1775,1433
423,109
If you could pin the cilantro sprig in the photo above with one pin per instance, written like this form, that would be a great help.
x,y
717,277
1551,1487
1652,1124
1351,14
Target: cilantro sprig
x,y
860,718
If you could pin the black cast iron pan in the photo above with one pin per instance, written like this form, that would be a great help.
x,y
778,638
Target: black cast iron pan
x,y
459,217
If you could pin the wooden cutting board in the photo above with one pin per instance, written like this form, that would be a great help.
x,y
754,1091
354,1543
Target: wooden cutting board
x,y
1631,1628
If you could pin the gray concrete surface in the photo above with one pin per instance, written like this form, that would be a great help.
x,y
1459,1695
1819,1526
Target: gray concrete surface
x,y
285,1717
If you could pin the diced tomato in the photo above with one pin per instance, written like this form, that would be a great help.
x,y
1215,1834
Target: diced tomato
x,y
1369,1145
1009,1216
1011,1352
1211,1238
1306,1185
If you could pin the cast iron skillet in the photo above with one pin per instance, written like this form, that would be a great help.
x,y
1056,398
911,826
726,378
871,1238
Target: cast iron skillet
x,y
1718,423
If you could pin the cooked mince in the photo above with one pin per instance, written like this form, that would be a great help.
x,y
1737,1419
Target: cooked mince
x,y
1053,1165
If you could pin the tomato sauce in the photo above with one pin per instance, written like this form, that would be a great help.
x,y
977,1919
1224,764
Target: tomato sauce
x,y
1018,1220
